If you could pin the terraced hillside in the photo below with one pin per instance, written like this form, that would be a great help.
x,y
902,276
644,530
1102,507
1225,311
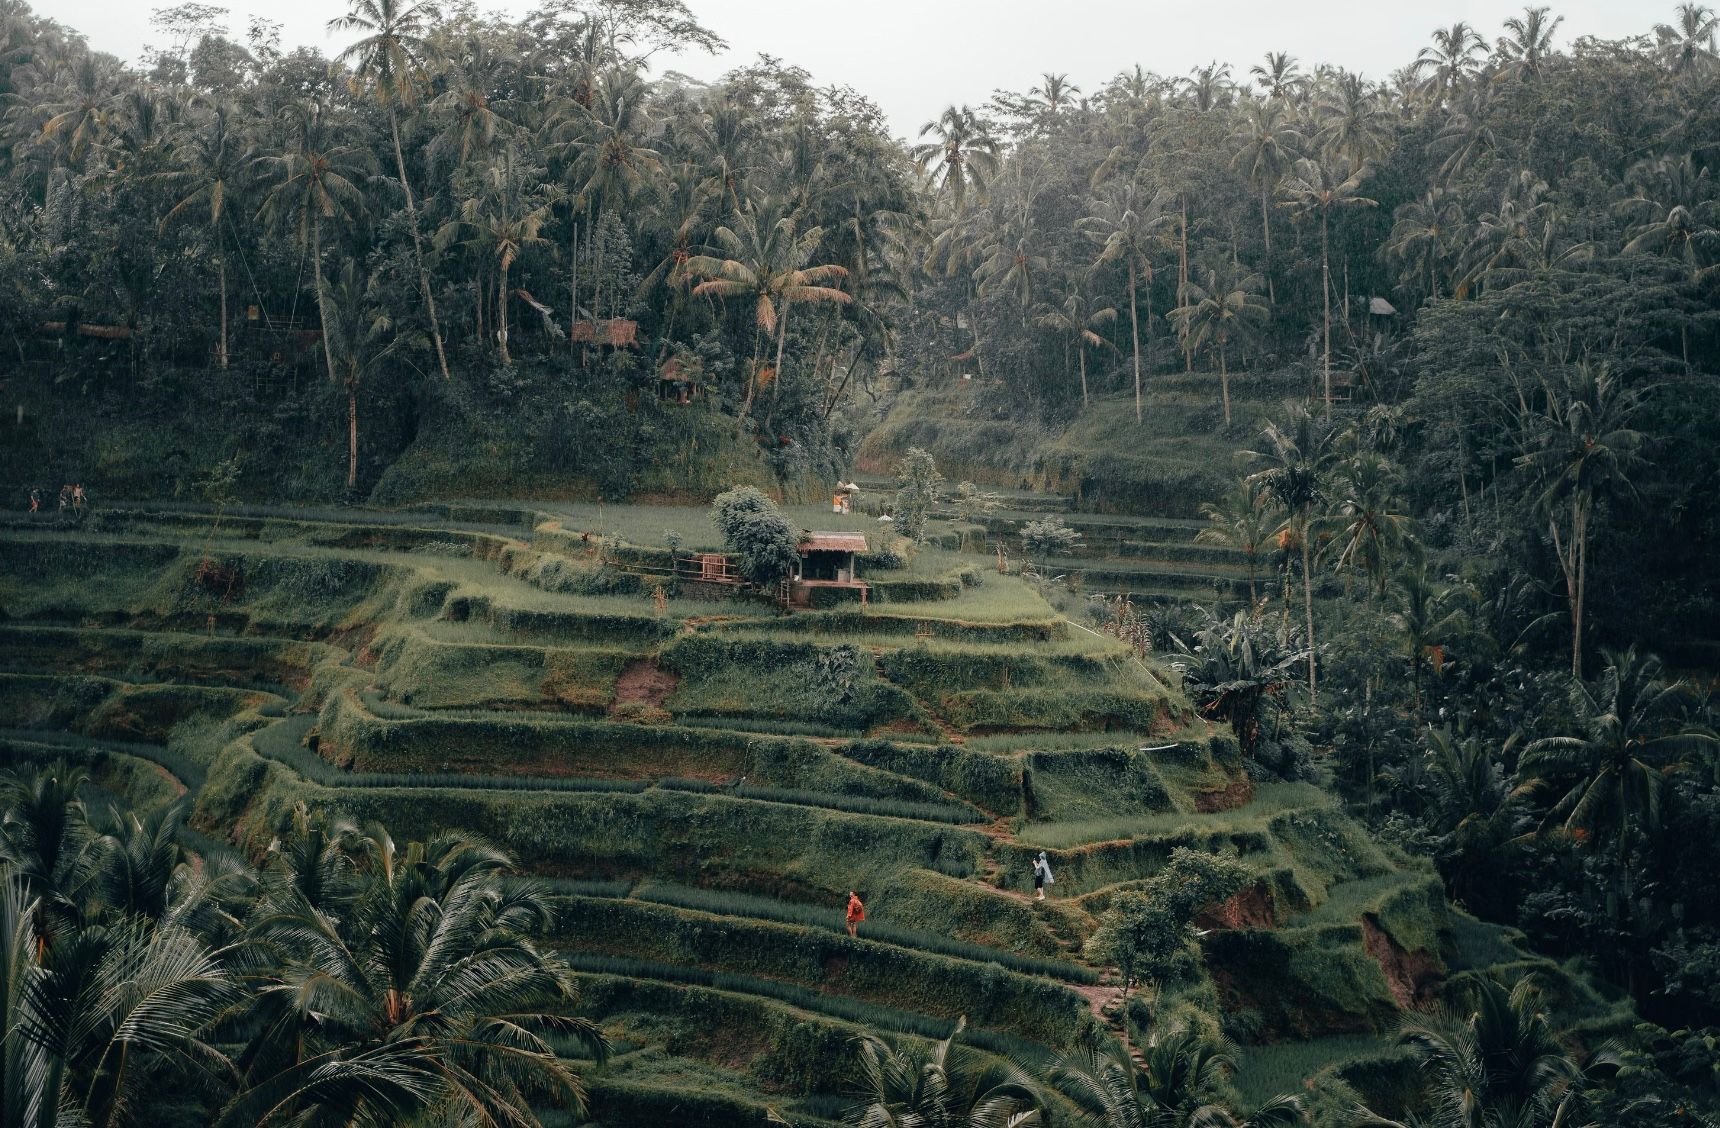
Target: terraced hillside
x,y
1133,490
702,780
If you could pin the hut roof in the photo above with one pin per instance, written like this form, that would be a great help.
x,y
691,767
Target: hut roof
x,y
833,542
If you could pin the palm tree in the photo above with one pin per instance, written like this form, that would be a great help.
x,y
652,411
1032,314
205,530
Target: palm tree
x,y
469,124
768,265
1630,734
1688,47
1577,445
1241,520
501,221
1366,526
611,164
1292,468
101,1018
1428,614
1278,77
1209,86
963,153
1266,143
1527,44
1222,310
1128,225
362,337
1424,239
1501,1064
1078,315
1510,238
1669,198
1175,1085
407,985
315,181
1452,61
942,1085
1315,188
213,157
1354,122
392,58
1474,807
1054,93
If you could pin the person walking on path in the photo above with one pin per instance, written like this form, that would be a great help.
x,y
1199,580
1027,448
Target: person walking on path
x,y
856,913
65,498
78,498
1042,875
35,499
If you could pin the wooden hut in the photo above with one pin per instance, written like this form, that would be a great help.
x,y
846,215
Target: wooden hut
x,y
827,560
678,380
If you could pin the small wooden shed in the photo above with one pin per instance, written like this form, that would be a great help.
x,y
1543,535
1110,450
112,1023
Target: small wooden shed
x,y
678,380
827,560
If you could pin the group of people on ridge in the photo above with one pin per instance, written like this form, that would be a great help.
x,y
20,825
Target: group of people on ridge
x,y
72,497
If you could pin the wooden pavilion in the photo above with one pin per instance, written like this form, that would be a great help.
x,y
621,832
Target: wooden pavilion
x,y
827,560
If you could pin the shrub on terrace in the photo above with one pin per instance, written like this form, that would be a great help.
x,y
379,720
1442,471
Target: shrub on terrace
x,y
755,531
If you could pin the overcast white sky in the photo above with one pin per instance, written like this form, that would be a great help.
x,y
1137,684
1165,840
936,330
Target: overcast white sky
x,y
913,57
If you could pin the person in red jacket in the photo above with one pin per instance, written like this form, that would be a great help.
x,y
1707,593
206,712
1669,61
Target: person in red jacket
x,y
856,913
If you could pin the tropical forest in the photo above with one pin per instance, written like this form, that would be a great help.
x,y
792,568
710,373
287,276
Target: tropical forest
x,y
537,589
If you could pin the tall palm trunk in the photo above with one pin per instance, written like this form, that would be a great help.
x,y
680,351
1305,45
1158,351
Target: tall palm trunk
x,y
1266,230
1182,279
417,243
322,305
1224,383
351,435
573,283
502,313
1308,602
1135,334
1326,315
1081,354
221,348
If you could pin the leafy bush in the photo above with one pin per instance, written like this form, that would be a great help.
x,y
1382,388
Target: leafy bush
x,y
754,530
917,489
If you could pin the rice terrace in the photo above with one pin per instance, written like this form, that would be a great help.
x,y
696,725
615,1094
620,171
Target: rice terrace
x,y
537,588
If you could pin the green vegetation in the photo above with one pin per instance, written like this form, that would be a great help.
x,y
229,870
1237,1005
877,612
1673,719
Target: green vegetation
x,y
1330,548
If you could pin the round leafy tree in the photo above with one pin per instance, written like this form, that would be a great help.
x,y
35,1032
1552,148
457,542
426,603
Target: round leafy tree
x,y
756,534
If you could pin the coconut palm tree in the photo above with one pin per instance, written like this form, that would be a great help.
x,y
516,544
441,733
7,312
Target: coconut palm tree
x,y
1631,733
1077,316
1175,1085
1428,615
962,154
316,179
1054,94
1353,122
1687,47
1669,200
1577,445
1291,465
767,264
1265,144
1242,519
1366,525
1527,44
1473,806
942,1085
502,221
1502,1063
469,123
213,157
1279,77
409,987
1454,58
1315,188
1220,311
1128,225
1425,238
362,336
392,58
